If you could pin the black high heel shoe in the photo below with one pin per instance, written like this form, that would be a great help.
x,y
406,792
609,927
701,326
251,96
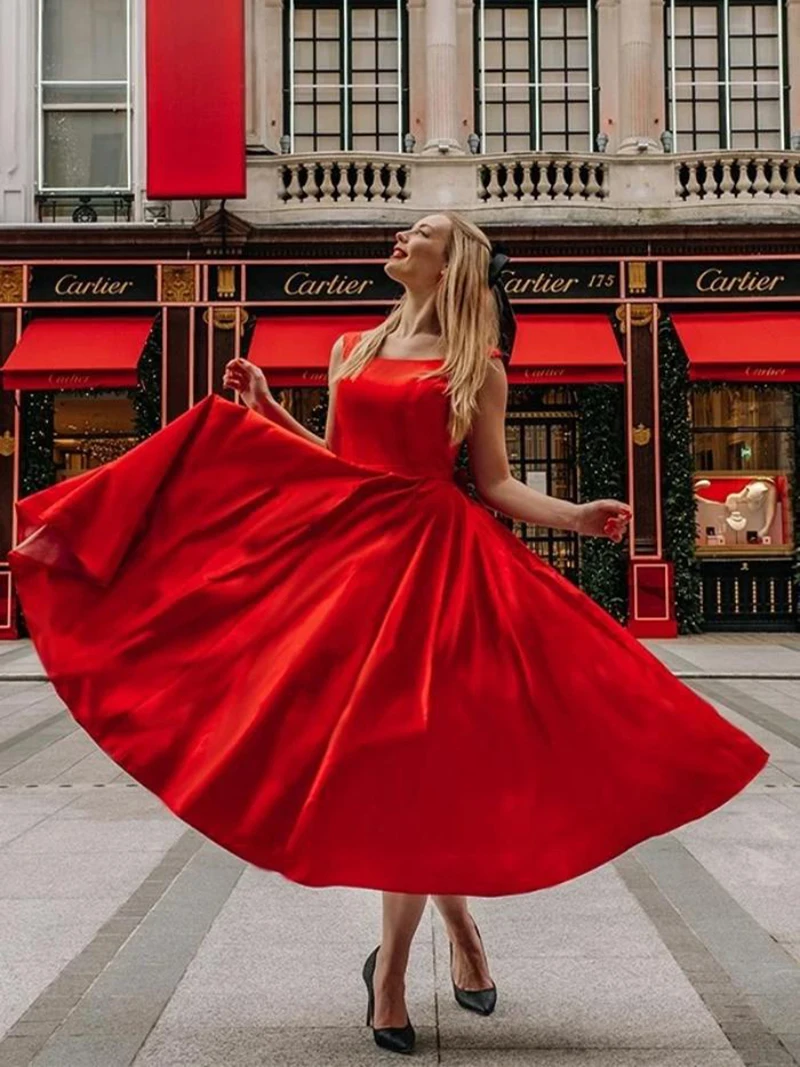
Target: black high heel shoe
x,y
393,1038
481,1001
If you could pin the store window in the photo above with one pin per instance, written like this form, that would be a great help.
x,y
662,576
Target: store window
x,y
743,454
84,96
535,76
346,75
726,65
90,431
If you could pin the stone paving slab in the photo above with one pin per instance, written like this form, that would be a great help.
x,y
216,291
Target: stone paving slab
x,y
230,966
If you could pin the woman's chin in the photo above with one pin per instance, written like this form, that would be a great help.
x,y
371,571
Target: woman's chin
x,y
394,269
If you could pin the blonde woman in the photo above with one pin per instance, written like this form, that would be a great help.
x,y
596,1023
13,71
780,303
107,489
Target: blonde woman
x,y
329,659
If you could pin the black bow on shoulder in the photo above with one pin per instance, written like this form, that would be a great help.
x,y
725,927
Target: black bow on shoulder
x,y
505,313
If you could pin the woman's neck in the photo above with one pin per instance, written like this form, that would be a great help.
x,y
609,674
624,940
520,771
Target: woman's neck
x,y
419,316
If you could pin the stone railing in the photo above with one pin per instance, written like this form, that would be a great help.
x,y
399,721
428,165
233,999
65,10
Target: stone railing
x,y
730,177
541,180
316,180
394,189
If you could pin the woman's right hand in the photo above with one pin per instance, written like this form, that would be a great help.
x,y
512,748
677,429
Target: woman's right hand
x,y
248,380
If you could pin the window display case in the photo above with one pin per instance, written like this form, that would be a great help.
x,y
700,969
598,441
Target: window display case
x,y
743,513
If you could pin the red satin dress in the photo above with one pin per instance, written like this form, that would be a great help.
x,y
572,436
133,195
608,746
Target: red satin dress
x,y
340,667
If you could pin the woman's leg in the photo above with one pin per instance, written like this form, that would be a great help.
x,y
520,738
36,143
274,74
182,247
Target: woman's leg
x,y
401,915
470,966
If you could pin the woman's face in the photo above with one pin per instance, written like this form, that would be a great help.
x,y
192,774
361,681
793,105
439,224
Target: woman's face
x,y
420,254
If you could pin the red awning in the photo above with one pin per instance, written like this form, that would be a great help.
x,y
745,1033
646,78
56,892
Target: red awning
x,y
762,346
78,353
296,351
565,350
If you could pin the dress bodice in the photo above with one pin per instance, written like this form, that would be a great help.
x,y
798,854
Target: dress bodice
x,y
390,418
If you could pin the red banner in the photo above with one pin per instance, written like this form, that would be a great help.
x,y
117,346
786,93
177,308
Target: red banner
x,y
195,99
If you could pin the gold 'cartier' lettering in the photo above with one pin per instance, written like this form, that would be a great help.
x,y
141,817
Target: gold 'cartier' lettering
x,y
301,283
71,285
714,280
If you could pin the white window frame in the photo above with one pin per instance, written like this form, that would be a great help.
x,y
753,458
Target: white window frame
x,y
537,84
345,88
726,83
42,108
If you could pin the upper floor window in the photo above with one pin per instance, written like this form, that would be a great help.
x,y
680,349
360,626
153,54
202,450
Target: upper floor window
x,y
726,84
346,75
535,83
84,95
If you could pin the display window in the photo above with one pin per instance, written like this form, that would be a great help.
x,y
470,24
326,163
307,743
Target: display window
x,y
90,431
743,441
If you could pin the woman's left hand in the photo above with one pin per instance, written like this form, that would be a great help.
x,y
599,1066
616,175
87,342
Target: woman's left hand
x,y
604,518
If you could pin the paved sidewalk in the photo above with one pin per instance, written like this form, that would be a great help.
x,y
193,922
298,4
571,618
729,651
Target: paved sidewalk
x,y
127,940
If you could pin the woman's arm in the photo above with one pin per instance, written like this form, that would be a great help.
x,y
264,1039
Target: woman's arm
x,y
269,407
501,491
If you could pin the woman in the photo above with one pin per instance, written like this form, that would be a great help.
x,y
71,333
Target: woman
x,y
329,659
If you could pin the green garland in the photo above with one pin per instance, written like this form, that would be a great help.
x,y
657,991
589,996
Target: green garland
x,y
146,397
677,489
601,473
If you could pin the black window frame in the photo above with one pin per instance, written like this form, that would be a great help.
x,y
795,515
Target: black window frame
x,y
345,75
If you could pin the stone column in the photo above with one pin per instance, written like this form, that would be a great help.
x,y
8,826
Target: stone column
x,y
264,42
793,49
17,125
441,101
635,78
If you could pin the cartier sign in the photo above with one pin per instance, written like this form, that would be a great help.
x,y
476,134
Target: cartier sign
x,y
111,283
353,283
718,279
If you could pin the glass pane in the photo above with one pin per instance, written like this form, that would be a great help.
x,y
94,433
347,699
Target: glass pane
x,y
329,119
517,118
683,21
552,54
518,142
741,51
767,19
494,118
328,55
84,94
518,56
363,118
704,141
769,115
85,150
516,20
552,22
554,117
578,115
84,40
683,54
303,56
576,22
743,115
493,20
706,54
740,19
303,23
494,55
707,116
387,22
363,22
767,51
387,59
704,20
577,56
363,55
327,23
387,118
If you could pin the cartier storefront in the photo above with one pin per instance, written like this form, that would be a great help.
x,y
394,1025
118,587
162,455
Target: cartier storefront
x,y
98,352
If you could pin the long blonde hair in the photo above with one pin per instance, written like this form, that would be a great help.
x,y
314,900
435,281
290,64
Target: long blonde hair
x,y
468,321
